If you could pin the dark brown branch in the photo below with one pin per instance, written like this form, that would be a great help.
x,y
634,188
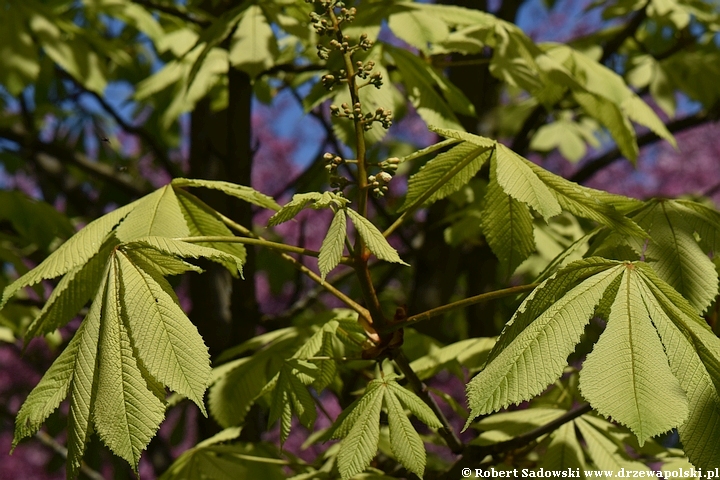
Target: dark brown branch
x,y
595,165
475,453
147,137
66,155
614,44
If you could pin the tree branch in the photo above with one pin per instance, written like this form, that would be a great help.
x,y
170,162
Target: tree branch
x,y
466,302
64,154
591,167
475,453
62,451
157,150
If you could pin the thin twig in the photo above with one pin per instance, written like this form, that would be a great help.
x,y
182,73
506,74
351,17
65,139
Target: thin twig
x,y
173,11
62,451
466,302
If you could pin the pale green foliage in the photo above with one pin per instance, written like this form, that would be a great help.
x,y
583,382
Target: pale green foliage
x,y
374,239
445,174
300,201
242,192
626,375
333,244
537,355
507,225
359,424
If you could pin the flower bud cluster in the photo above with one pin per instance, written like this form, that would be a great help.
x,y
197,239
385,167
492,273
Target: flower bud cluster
x,y
390,165
382,116
332,162
365,43
378,183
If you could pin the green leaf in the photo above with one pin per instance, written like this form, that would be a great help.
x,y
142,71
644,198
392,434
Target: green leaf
x,y
349,416
538,354
156,214
404,440
169,346
253,48
420,84
127,413
639,111
293,207
626,376
290,395
374,239
71,254
546,294
596,205
611,117
507,225
205,221
519,181
675,254
418,28
71,293
242,192
83,389
413,403
700,433
360,445
604,453
176,248
214,35
564,450
468,353
446,173
333,244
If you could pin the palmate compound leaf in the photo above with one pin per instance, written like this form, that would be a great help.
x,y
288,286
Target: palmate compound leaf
x,y
157,213
603,451
507,225
109,368
374,239
627,376
300,201
564,450
333,244
446,173
291,394
238,191
75,252
360,425
537,354
675,254
680,327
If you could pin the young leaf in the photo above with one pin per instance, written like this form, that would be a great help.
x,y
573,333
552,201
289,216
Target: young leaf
x,y
73,253
175,248
374,239
564,450
446,173
361,443
127,413
626,376
419,84
291,394
674,253
538,354
156,214
332,246
242,192
519,181
204,221
169,346
293,207
71,293
254,47
404,440
507,225
413,403
611,117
